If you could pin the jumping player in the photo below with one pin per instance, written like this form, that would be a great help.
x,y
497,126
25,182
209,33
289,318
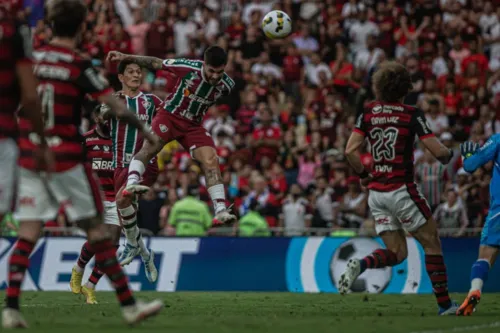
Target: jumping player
x,y
98,148
199,86
394,200
17,84
127,142
475,158
65,78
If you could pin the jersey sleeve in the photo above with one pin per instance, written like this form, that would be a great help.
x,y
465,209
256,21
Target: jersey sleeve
x,y
181,67
228,83
483,155
92,82
359,125
420,126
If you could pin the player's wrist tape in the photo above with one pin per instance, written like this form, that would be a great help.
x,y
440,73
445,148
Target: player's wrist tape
x,y
363,174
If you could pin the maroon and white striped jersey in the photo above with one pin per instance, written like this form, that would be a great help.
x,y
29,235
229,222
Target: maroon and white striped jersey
x,y
390,129
65,78
193,95
15,48
100,155
127,140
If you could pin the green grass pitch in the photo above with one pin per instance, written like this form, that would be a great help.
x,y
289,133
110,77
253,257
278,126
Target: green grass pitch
x,y
259,312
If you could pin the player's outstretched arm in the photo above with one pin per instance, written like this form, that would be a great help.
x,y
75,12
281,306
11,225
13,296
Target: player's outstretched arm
x,y
352,154
442,153
475,158
142,61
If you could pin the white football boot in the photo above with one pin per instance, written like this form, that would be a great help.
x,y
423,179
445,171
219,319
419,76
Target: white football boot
x,y
350,275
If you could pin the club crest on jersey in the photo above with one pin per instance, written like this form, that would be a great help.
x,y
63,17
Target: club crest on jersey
x,y
218,94
163,128
106,148
145,102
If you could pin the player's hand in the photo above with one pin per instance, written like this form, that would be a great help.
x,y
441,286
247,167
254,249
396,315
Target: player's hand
x,y
44,159
115,56
468,148
365,181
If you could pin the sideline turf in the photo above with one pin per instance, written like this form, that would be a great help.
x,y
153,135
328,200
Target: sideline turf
x,y
259,312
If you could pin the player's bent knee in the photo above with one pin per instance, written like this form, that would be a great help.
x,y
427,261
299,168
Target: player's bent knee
x,y
91,223
30,230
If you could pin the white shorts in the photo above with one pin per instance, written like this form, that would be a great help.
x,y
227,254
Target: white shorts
x,y
404,208
76,189
9,154
111,213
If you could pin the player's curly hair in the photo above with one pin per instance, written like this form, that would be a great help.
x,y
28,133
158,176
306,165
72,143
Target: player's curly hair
x,y
392,82
66,17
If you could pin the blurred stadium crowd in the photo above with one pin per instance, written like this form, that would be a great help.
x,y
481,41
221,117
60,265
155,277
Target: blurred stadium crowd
x,y
281,134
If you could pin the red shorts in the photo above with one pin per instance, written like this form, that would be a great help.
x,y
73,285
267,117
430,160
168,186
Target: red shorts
x,y
190,135
148,178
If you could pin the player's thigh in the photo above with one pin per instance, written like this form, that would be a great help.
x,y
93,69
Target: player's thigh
x,y
78,189
9,154
384,218
120,180
165,127
410,207
490,236
34,200
427,235
200,144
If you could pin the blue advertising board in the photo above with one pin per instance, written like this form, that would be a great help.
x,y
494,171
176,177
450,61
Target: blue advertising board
x,y
301,264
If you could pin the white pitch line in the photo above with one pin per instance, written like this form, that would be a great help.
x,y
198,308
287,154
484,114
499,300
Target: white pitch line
x,y
48,305
463,328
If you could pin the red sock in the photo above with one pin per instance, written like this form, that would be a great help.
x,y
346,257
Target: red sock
x,y
18,264
85,255
97,273
379,258
436,269
105,259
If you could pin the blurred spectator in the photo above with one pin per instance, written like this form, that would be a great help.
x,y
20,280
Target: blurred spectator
x,y
452,214
297,212
189,217
149,210
253,223
266,137
322,204
353,208
360,30
184,31
431,175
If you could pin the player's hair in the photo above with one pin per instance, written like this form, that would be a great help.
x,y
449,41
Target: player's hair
x,y
122,66
66,17
215,56
392,82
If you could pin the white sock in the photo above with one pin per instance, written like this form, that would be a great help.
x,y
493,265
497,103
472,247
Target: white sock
x,y
78,269
476,284
135,171
129,220
218,196
144,250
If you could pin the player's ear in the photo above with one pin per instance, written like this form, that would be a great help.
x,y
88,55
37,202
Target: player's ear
x,y
120,77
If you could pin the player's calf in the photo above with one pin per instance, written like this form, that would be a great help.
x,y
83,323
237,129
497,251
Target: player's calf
x,y
427,235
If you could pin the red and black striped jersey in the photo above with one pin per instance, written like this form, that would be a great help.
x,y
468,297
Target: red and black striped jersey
x,y
15,48
65,79
390,129
99,153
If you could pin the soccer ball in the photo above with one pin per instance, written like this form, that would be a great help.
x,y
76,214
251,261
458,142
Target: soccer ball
x,y
373,281
276,24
